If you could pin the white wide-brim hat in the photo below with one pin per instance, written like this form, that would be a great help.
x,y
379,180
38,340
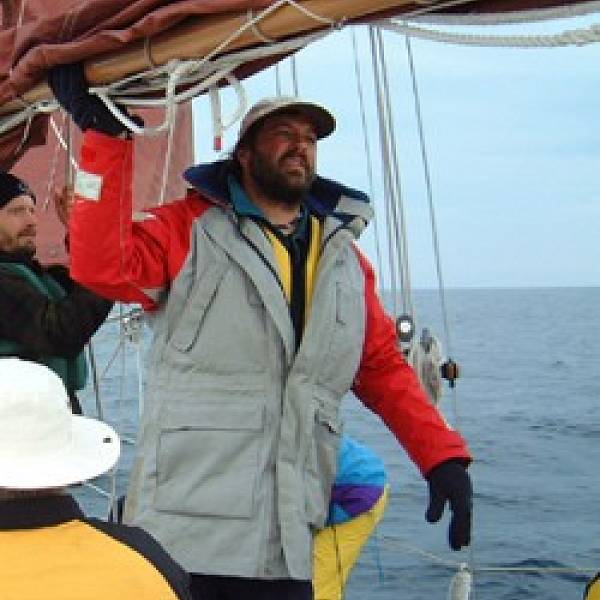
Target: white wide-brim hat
x,y
42,444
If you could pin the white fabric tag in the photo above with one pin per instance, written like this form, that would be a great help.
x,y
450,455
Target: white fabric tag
x,y
88,185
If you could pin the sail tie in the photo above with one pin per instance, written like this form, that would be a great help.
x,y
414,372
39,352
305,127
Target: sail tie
x,y
256,30
148,53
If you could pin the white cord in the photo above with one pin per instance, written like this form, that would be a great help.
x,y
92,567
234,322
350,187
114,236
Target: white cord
x,y
369,159
574,37
572,9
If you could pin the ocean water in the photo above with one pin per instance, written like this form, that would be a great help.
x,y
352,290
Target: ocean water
x,y
527,402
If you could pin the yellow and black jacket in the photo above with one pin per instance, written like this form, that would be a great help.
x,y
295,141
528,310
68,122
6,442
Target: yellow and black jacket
x,y
50,551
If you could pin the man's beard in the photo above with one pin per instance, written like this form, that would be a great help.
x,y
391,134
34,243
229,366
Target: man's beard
x,y
22,244
273,181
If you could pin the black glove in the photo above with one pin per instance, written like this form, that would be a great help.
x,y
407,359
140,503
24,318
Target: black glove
x,y
70,88
450,482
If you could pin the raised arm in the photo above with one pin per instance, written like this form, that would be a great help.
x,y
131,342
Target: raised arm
x,y
112,253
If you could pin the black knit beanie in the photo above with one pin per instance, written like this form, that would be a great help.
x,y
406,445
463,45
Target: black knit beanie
x,y
11,187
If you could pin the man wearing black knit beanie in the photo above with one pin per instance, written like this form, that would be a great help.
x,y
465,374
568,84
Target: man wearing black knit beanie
x,y
44,315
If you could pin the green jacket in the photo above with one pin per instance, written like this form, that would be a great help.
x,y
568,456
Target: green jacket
x,y
47,318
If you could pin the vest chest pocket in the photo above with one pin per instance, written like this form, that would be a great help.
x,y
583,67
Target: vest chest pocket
x,y
201,295
341,355
207,459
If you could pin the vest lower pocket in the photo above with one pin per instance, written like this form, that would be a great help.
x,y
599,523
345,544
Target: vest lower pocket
x,y
321,467
207,459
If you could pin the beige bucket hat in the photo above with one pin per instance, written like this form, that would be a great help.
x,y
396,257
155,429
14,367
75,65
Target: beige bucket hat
x,y
322,119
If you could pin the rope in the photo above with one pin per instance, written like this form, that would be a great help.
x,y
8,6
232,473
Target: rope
x,y
312,15
393,542
60,142
429,193
256,31
294,76
574,37
168,153
176,72
387,185
369,160
130,324
148,53
401,235
573,9
95,381
277,80
393,187
26,116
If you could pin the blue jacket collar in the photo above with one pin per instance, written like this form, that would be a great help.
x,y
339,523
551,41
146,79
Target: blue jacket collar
x,y
327,197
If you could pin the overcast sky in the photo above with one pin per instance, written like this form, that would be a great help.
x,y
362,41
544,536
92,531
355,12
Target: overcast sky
x,y
513,140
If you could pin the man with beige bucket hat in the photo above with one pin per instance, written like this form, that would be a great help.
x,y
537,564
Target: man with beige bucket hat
x,y
48,548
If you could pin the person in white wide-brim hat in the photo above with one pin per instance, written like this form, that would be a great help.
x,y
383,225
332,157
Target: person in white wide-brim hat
x,y
48,548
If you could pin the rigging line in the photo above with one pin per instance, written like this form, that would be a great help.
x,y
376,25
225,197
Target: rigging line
x,y
567,11
433,8
387,186
434,228
59,141
113,491
259,17
140,372
95,381
27,116
63,143
390,190
69,149
437,255
148,80
112,359
66,31
400,220
537,569
294,75
369,158
575,37
393,542
122,335
96,489
178,70
429,190
168,154
277,80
